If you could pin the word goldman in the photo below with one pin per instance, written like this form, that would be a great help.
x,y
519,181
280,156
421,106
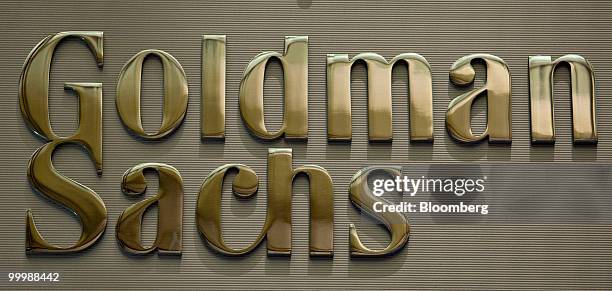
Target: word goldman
x,y
91,210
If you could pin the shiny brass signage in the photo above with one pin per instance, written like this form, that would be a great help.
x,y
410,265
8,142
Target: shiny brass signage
x,y
497,90
175,94
295,72
379,96
541,75
212,111
169,199
277,228
396,223
33,99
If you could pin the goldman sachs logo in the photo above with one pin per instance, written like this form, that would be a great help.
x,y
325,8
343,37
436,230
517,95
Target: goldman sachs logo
x,y
91,210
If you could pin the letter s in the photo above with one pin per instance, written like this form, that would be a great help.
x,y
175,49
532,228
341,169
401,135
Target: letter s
x,y
364,199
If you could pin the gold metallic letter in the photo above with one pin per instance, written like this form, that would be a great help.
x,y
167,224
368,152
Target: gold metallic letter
x,y
497,89
379,96
33,98
212,112
395,222
280,183
277,227
541,75
295,72
170,216
208,207
175,94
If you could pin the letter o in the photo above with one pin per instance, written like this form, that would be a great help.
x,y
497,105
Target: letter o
x,y
175,94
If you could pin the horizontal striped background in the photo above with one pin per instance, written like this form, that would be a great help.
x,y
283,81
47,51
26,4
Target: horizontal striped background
x,y
555,252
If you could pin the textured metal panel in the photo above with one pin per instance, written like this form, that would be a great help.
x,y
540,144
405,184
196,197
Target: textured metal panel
x,y
500,255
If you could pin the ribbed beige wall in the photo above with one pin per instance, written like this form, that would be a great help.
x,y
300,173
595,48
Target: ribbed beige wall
x,y
495,254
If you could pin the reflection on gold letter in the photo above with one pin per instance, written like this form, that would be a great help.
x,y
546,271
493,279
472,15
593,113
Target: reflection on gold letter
x,y
295,72
170,216
277,227
208,207
362,197
212,113
497,90
280,183
175,94
541,75
33,98
379,96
